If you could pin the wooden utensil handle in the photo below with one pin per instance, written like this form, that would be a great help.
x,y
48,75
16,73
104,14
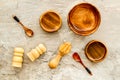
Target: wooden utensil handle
x,y
16,18
55,61
88,70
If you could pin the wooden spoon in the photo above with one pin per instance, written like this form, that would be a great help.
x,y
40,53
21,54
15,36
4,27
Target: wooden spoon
x,y
28,31
77,58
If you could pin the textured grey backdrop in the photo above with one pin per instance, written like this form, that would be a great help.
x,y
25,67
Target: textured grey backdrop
x,y
29,11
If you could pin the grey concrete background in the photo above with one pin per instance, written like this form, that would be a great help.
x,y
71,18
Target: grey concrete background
x,y
29,11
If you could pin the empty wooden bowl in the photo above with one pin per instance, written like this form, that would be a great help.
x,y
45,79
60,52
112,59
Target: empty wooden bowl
x,y
95,51
84,19
50,21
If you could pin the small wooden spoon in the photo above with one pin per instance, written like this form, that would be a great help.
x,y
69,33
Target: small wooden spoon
x,y
77,58
28,31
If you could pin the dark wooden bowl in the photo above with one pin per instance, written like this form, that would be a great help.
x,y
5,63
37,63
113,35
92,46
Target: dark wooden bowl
x,y
50,21
95,51
84,19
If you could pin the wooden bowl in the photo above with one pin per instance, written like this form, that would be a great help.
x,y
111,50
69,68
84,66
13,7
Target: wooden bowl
x,y
84,19
95,51
50,21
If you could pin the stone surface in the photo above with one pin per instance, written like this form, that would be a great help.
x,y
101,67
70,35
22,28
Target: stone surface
x,y
29,11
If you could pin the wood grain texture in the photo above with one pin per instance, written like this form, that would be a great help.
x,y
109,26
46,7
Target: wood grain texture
x,y
84,19
50,21
29,12
95,51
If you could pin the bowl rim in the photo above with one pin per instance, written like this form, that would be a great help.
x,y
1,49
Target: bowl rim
x,y
92,31
50,30
91,59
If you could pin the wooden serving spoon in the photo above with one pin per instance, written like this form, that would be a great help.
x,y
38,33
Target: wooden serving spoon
x,y
28,31
77,58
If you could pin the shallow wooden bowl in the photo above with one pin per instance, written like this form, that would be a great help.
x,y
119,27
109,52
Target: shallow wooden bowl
x,y
84,19
50,21
95,51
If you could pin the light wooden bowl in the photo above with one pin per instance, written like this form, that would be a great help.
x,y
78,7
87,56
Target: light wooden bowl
x,y
50,21
95,51
84,19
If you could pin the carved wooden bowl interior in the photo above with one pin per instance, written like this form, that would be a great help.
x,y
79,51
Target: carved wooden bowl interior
x,y
50,21
84,19
95,51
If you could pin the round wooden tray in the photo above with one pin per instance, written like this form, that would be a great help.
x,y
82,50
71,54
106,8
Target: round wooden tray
x,y
95,51
50,21
84,19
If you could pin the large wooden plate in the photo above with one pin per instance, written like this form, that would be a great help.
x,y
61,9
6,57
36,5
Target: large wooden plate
x,y
84,19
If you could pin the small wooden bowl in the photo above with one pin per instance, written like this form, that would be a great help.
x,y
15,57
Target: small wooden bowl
x,y
95,51
50,21
84,19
